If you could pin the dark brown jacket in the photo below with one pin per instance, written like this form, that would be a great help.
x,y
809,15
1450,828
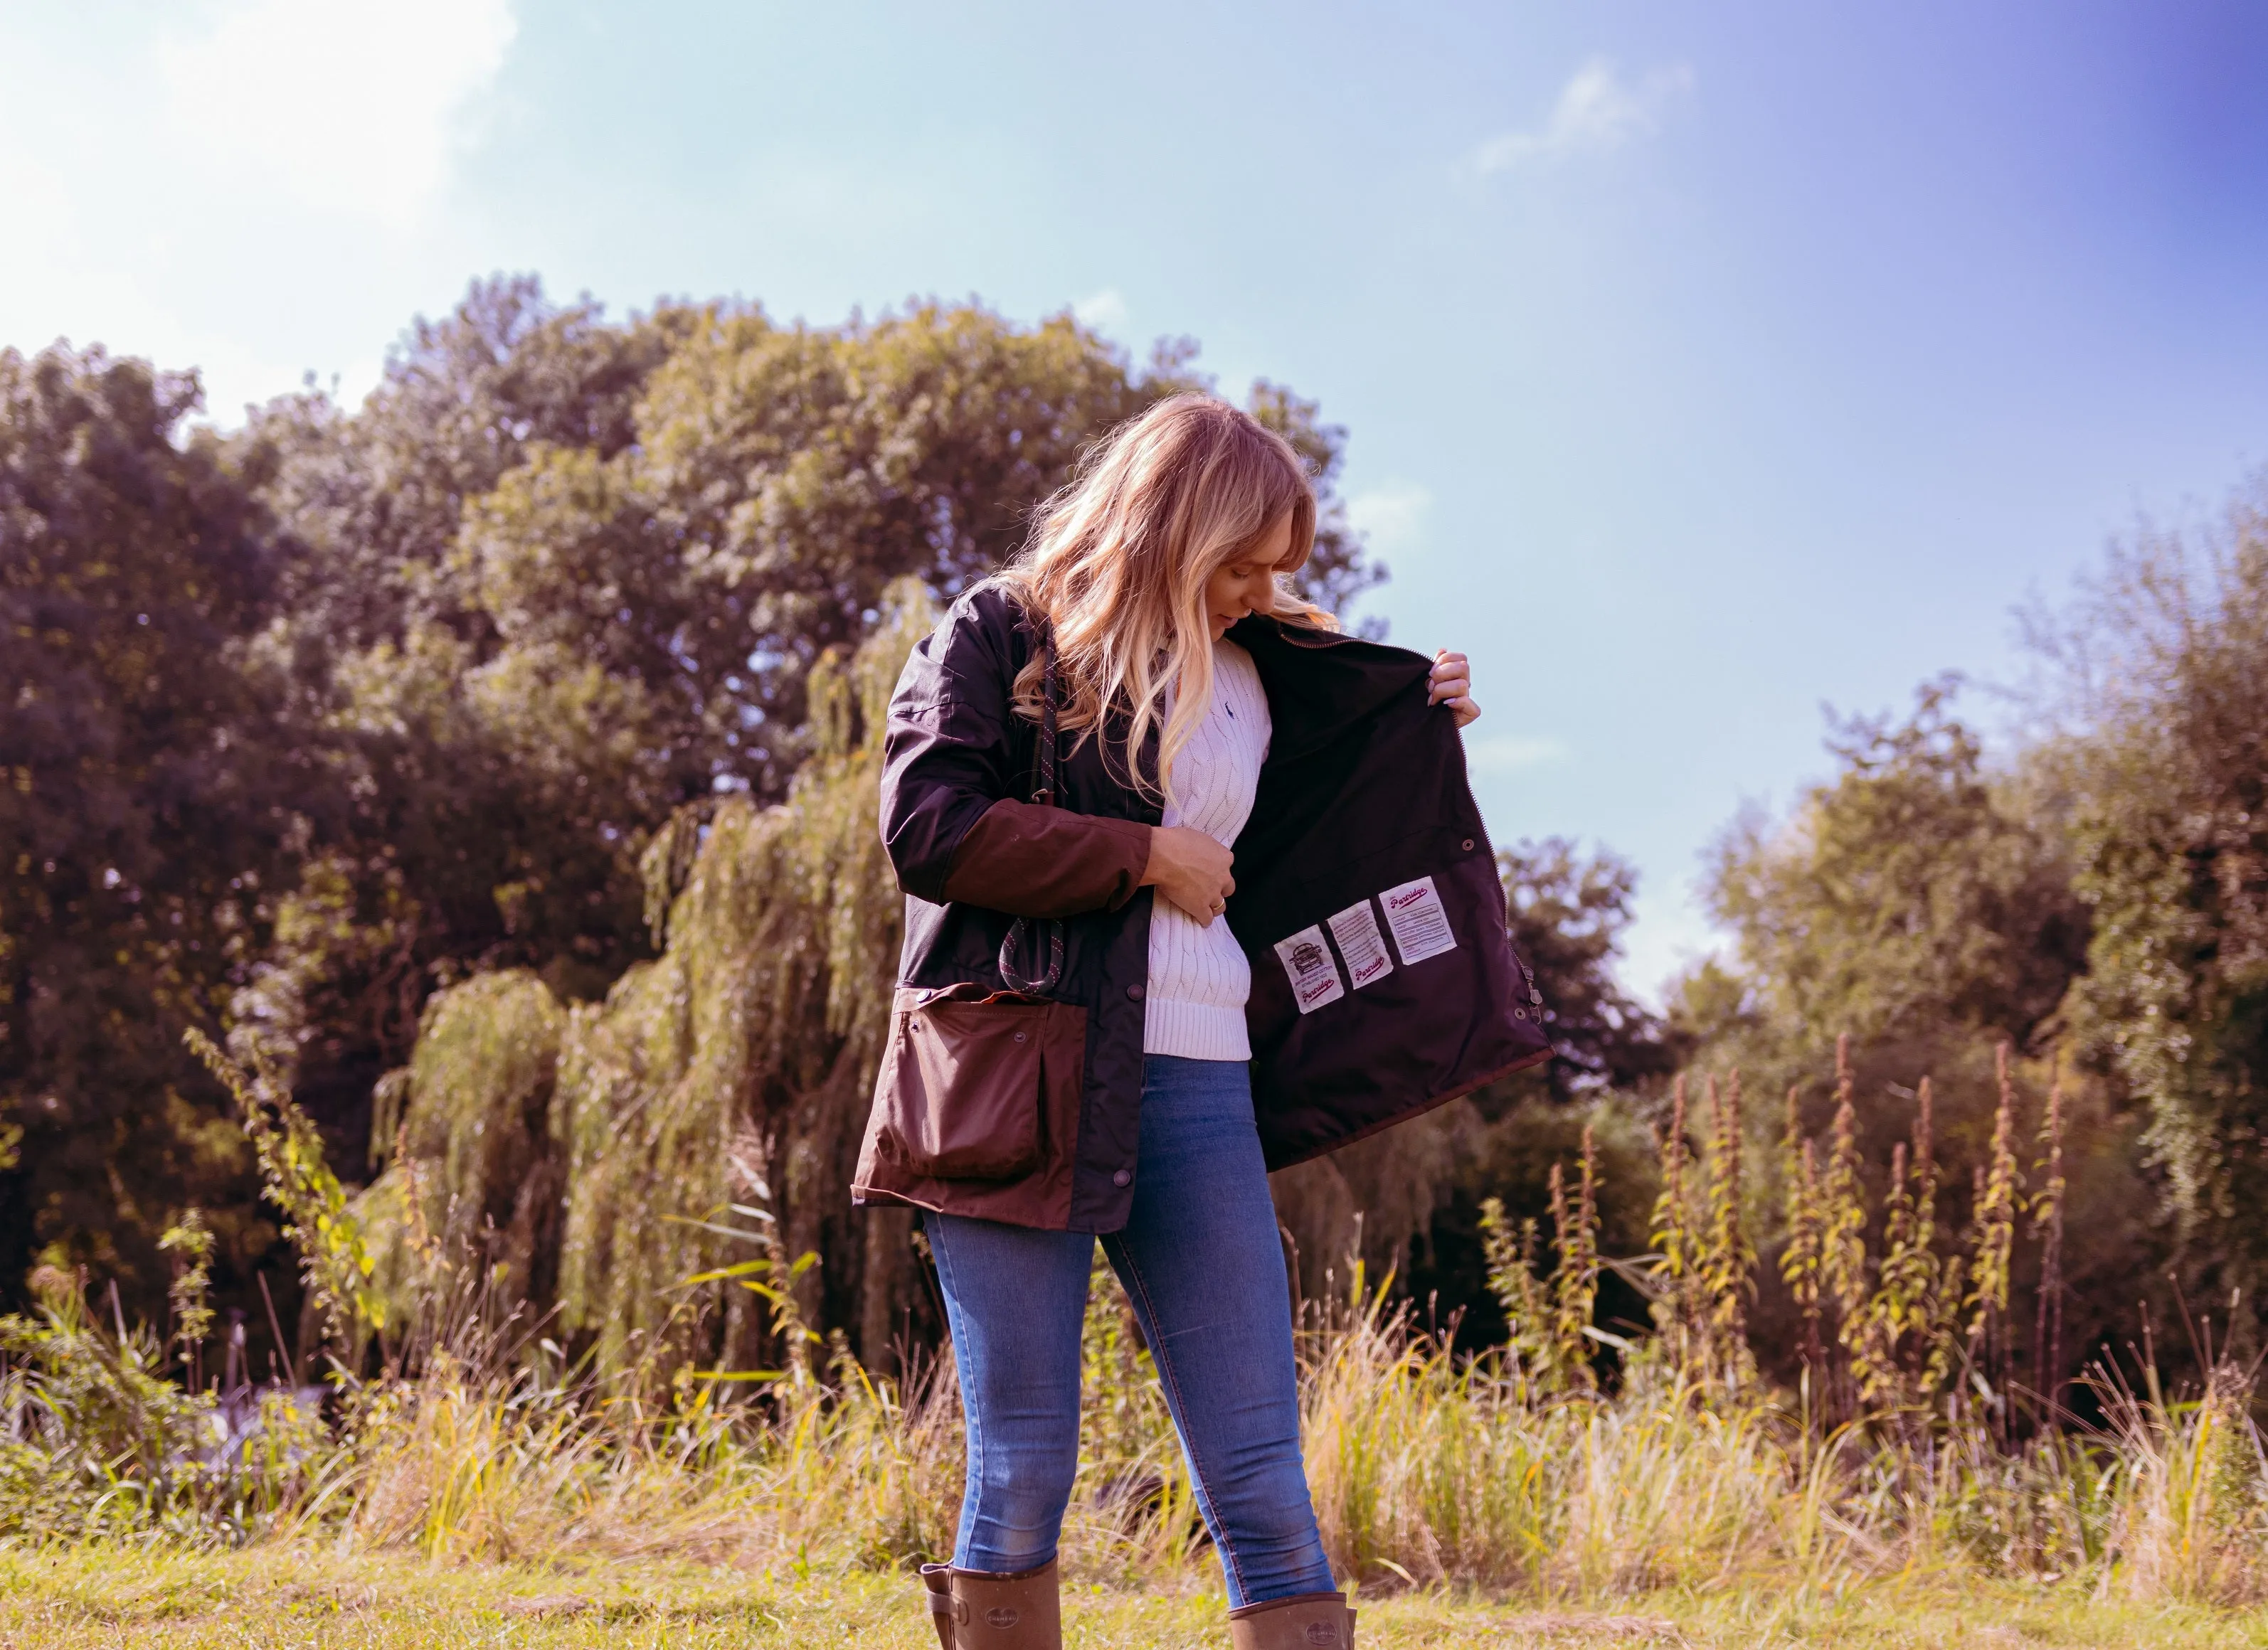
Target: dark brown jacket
x,y
1362,797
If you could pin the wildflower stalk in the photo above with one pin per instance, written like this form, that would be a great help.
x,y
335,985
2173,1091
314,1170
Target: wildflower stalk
x,y
1728,1258
1575,1282
2047,1221
188,1295
333,1253
1842,1213
1511,1258
1672,1237
1996,1214
1800,1260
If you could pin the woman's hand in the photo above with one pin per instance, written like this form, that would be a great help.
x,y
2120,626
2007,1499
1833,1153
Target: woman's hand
x,y
1453,685
1191,869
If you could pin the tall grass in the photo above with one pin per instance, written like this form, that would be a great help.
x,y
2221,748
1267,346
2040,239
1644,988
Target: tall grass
x,y
1570,1462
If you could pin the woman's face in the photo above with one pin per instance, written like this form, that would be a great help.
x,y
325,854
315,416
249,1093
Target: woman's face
x,y
1246,584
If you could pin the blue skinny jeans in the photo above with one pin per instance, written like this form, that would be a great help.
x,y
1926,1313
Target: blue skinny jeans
x,y
1203,1267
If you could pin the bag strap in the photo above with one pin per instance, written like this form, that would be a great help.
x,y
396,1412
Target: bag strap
x,y
1051,929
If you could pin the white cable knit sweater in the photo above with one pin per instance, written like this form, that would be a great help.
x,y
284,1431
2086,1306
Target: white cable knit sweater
x,y
1198,976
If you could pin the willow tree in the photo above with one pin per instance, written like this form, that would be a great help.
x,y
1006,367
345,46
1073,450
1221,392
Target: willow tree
x,y
707,1114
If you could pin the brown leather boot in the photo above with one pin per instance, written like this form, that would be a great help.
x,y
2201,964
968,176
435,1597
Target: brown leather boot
x,y
1312,1621
938,1578
976,1611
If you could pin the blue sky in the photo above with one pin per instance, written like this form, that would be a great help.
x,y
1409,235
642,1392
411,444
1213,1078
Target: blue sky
x,y
1701,363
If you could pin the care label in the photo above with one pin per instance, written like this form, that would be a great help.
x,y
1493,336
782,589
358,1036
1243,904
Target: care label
x,y
1364,947
1421,928
1315,976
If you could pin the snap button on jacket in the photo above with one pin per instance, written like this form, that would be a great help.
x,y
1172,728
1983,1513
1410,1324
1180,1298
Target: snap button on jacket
x,y
1383,980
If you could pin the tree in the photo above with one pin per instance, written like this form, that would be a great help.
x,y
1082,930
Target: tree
x,y
309,723
2165,751
146,800
586,571
1568,914
1923,903
376,494
1914,894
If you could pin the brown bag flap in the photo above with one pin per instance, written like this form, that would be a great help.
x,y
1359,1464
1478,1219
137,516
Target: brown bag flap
x,y
962,1083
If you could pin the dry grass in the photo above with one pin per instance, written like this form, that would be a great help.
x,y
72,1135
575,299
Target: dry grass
x,y
480,1491
1430,1471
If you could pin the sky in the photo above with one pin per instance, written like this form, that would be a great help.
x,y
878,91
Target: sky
x,y
1701,366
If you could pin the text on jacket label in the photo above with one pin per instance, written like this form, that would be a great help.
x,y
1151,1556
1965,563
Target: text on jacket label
x,y
1364,947
1421,928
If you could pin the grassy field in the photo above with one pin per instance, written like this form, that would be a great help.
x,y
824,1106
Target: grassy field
x,y
479,1491
311,1597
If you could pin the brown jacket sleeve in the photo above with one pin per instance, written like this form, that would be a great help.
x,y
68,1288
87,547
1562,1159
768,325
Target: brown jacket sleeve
x,y
1031,861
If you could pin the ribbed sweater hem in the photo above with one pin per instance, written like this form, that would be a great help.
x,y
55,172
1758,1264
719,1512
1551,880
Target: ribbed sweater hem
x,y
1195,1031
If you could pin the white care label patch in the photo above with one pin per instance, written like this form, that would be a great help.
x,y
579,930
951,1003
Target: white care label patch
x,y
1364,947
1315,975
1421,928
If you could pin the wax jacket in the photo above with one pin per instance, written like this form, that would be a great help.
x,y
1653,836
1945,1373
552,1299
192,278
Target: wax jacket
x,y
1383,979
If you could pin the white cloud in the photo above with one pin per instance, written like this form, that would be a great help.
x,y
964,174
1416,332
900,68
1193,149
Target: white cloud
x,y
241,183
1499,753
1103,311
342,104
1392,517
1597,110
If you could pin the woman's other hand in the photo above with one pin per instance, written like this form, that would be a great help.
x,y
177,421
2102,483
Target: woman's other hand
x,y
1191,869
1453,685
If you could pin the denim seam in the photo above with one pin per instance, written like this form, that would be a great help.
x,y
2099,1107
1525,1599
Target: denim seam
x,y
1172,1381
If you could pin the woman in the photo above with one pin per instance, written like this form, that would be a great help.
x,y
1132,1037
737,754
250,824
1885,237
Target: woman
x,y
1156,822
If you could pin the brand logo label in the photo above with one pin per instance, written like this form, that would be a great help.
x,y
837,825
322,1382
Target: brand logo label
x,y
1001,1615
1322,1632
1314,976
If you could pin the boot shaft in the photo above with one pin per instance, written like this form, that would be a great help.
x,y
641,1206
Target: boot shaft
x,y
976,1611
1313,1621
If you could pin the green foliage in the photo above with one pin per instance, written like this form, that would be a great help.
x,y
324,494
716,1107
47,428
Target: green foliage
x,y
1529,1323
334,1258
567,576
192,1240
728,1078
2168,773
144,797
1575,1282
1428,1468
1551,1338
1918,913
307,723
100,1442
477,1177
1912,893
1842,1206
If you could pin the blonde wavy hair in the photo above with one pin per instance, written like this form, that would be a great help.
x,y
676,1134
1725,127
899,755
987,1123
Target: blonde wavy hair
x,y
1117,562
